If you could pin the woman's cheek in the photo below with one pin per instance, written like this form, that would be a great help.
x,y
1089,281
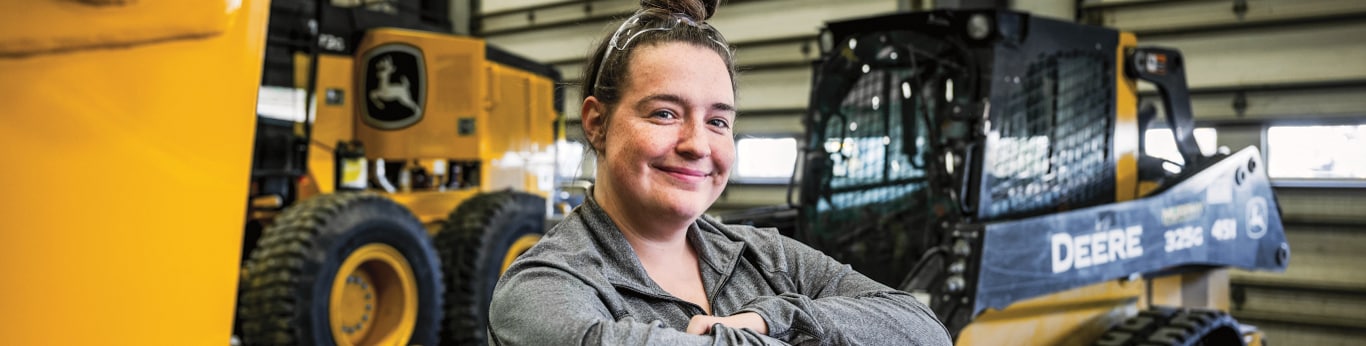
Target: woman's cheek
x,y
725,161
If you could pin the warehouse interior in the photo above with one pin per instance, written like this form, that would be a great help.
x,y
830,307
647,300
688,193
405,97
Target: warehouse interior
x,y
1256,69
1287,77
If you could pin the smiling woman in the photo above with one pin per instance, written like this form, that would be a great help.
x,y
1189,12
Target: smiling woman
x,y
638,263
671,148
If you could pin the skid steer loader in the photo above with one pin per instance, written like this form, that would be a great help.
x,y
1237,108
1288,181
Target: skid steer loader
x,y
994,163
397,171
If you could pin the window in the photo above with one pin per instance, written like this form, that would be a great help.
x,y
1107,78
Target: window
x,y
1316,152
282,103
385,6
1161,144
860,158
765,160
573,160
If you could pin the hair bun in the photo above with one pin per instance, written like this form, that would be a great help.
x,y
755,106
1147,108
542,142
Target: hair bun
x,y
699,10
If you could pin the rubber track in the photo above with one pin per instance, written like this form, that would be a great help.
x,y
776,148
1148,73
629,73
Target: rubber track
x,y
1173,326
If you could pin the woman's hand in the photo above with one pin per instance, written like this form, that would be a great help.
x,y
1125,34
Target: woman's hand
x,y
701,324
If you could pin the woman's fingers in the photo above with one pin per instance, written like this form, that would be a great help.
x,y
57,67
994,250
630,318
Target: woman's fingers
x,y
701,324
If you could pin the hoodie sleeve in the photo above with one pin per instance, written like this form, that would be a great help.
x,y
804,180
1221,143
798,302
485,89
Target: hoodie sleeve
x,y
835,305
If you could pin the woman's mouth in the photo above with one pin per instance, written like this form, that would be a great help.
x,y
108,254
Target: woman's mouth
x,y
684,174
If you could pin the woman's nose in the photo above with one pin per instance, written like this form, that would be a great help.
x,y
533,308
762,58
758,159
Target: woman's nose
x,y
692,141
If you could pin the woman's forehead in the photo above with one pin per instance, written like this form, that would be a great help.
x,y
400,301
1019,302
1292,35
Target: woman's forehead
x,y
693,72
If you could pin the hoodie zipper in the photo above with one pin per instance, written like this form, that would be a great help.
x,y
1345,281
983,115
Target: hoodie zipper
x,y
693,309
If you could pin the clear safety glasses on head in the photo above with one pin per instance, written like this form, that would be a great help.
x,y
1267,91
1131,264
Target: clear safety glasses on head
x,y
633,27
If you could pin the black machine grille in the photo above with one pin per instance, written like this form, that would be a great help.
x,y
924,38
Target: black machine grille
x,y
1053,150
876,187
875,180
864,138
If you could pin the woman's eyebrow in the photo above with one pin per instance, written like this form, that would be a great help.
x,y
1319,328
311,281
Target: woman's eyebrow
x,y
670,98
679,100
721,106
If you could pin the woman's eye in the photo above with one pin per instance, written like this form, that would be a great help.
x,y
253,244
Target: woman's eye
x,y
719,123
664,114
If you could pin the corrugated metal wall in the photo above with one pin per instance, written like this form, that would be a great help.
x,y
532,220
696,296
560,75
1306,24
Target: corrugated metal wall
x,y
775,40
1251,63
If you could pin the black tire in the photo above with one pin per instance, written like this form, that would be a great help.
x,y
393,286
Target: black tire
x,y
473,244
1174,327
287,282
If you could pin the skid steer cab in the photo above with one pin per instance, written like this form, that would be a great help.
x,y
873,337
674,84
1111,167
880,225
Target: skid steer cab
x,y
398,170
992,162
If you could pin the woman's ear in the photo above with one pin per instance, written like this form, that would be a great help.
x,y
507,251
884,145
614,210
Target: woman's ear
x,y
594,122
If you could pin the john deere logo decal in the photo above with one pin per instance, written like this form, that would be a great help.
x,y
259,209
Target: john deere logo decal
x,y
394,89
1256,217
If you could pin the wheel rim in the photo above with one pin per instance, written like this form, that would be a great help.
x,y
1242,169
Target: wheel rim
x,y
518,247
374,298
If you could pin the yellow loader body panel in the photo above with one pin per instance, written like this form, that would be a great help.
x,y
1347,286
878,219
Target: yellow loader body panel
x,y
127,142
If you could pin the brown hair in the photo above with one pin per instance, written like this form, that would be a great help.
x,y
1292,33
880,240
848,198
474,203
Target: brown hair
x,y
604,79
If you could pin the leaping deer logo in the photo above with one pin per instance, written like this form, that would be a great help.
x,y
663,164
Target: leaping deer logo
x,y
390,91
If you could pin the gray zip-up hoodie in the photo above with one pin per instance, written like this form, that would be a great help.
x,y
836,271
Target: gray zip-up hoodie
x,y
583,285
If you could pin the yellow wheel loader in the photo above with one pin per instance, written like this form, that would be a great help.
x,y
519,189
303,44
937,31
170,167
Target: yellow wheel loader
x,y
396,171
993,163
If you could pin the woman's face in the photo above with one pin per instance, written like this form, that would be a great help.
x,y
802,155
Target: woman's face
x,y
668,146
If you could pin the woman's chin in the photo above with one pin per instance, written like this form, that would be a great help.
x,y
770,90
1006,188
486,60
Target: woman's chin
x,y
683,208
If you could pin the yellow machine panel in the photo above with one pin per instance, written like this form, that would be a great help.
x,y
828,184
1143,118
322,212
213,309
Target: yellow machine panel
x,y
1073,317
127,142
333,120
45,27
1126,134
521,102
436,92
